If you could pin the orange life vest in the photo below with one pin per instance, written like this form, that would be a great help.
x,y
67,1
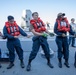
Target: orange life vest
x,y
12,29
38,25
63,25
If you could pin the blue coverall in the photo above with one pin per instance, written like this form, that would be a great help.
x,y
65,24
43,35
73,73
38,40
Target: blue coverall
x,y
62,42
37,42
14,44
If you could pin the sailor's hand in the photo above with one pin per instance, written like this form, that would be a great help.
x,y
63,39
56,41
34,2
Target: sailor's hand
x,y
51,34
0,34
28,36
63,35
75,35
44,35
15,36
3,37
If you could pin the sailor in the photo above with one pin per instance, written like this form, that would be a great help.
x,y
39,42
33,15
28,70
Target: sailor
x,y
73,25
37,27
12,31
61,28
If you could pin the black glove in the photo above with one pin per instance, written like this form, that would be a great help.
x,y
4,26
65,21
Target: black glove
x,y
51,34
75,35
3,37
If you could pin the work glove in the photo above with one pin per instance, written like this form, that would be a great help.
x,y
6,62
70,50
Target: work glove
x,y
63,35
44,35
75,35
51,34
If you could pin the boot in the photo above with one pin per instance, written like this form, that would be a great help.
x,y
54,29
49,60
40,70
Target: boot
x,y
28,68
75,64
49,64
0,66
66,63
75,61
60,63
10,65
22,64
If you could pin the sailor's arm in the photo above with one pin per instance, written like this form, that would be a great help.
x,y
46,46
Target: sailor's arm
x,y
23,33
51,34
56,30
6,34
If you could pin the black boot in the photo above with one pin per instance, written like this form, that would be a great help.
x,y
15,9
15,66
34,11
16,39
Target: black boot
x,y
60,63
49,64
0,66
22,64
10,65
75,61
28,68
75,64
66,63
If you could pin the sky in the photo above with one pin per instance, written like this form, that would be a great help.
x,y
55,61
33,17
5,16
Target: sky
x,y
47,9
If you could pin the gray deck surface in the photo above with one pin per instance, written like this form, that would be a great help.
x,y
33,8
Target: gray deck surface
x,y
39,66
